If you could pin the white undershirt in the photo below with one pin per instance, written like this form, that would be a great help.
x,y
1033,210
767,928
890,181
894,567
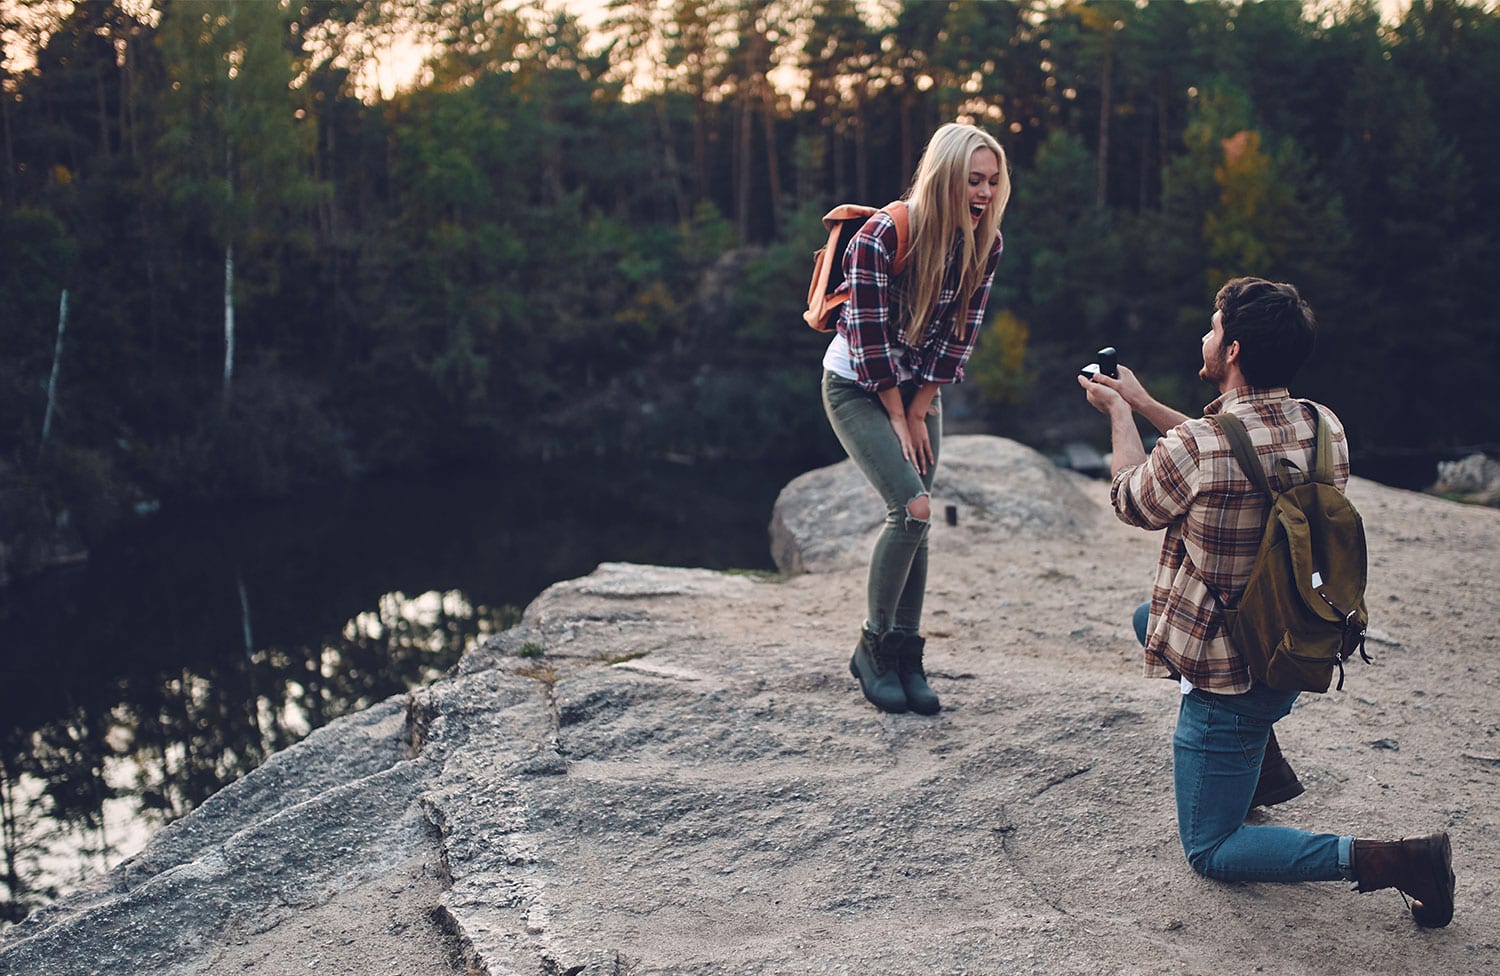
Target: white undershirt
x,y
838,361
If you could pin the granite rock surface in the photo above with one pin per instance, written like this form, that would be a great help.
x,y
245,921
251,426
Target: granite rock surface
x,y
669,771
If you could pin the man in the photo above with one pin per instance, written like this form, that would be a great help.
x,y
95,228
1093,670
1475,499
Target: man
x,y
1262,332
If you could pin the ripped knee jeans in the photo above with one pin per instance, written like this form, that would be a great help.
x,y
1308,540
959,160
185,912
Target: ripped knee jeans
x,y
898,564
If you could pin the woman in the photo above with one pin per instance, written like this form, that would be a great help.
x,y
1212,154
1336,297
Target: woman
x,y
900,339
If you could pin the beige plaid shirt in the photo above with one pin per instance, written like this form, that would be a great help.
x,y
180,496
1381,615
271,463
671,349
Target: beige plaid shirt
x,y
1192,486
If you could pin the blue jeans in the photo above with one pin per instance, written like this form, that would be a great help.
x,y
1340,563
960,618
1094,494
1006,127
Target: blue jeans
x,y
898,567
1216,755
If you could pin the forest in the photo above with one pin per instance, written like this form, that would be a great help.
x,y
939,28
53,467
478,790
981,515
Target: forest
x,y
232,268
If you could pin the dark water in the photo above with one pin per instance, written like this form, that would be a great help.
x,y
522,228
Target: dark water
x,y
192,646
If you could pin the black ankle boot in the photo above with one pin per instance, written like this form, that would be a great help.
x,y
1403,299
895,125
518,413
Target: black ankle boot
x,y
1419,867
1278,781
919,695
874,666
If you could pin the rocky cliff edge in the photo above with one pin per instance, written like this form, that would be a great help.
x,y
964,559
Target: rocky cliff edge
x,y
670,771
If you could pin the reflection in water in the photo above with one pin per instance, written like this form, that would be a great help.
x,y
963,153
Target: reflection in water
x,y
191,648
92,783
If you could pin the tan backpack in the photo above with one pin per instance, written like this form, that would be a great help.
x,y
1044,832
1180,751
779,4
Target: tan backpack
x,y
828,290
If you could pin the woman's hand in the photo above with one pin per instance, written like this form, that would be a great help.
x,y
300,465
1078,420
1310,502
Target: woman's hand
x,y
917,410
895,412
921,443
903,434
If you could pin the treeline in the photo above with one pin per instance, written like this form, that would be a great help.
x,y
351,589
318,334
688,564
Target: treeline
x,y
564,238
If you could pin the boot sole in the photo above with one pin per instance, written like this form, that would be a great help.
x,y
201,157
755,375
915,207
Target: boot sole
x,y
1440,850
854,670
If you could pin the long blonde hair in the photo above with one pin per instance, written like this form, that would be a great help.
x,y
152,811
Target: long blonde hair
x,y
939,203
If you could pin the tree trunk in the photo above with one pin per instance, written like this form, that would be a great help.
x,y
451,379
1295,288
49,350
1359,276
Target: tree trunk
x,y
861,156
1162,144
908,150
229,246
1106,109
228,320
62,325
680,199
7,191
773,170
743,168
103,103
836,138
128,144
700,136
1144,190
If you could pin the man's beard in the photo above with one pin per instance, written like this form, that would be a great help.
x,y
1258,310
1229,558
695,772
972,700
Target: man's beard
x,y
1214,370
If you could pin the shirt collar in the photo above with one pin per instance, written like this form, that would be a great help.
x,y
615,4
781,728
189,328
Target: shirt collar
x,y
1246,394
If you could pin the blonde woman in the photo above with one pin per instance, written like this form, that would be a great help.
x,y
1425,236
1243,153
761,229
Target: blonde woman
x,y
899,340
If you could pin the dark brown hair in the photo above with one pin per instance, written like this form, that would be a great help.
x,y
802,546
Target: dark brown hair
x,y
1273,325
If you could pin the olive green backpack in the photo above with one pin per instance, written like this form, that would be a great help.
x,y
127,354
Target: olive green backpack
x,y
1302,614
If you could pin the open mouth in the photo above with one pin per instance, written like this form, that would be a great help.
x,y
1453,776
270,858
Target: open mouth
x,y
976,211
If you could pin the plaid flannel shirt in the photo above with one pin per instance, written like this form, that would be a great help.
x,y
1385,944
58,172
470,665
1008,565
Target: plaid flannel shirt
x,y
1192,486
873,324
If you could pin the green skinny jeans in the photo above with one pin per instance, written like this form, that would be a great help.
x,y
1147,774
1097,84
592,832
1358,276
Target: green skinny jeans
x,y
898,564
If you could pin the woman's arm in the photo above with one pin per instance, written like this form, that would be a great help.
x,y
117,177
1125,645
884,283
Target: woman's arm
x,y
916,425
890,398
866,319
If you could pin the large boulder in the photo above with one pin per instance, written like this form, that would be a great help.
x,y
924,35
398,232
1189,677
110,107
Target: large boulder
x,y
824,520
1474,479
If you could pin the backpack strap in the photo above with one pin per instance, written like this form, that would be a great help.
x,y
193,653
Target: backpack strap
x,y
1244,451
823,303
1323,459
901,217
818,303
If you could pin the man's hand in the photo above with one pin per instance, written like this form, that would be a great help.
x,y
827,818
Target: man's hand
x,y
1134,395
1124,440
1102,394
1129,388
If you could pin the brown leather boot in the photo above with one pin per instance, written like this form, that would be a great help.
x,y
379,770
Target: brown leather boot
x,y
1278,781
1419,867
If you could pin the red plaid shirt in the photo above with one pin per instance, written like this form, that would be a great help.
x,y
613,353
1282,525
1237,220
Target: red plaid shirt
x,y
1192,486
873,323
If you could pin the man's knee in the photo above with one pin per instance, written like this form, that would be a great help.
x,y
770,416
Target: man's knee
x,y
1200,861
920,508
1141,620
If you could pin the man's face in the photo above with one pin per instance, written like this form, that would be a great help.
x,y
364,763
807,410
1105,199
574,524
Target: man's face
x,y
1215,369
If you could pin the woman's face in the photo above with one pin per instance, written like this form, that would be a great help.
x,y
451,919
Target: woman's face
x,y
984,182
